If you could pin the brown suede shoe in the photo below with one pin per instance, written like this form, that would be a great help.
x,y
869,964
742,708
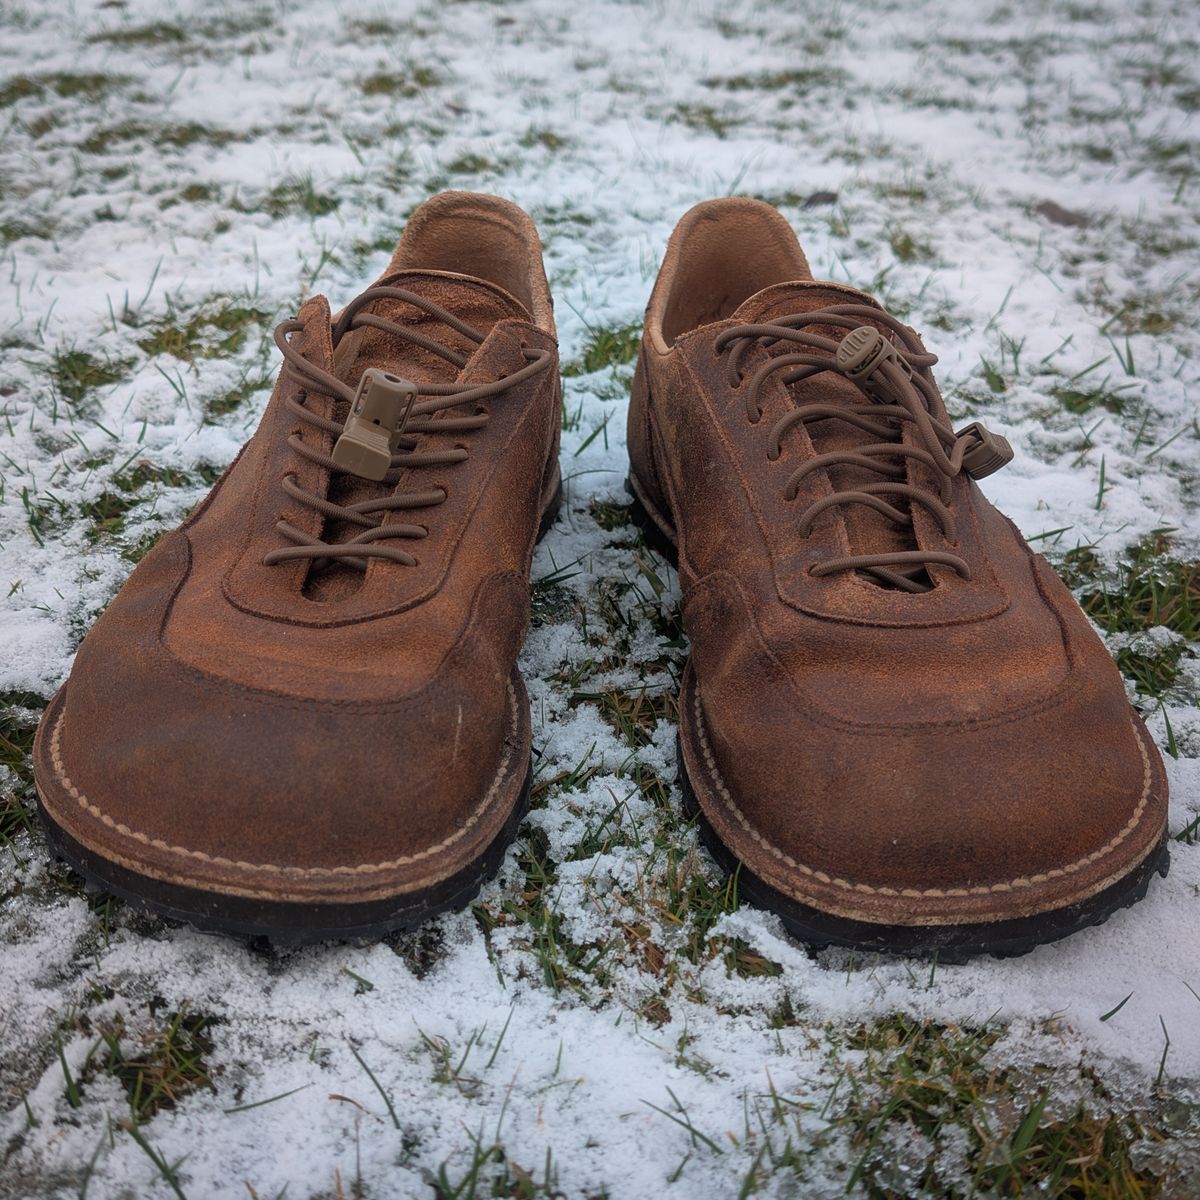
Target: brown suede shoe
x,y
302,717
895,717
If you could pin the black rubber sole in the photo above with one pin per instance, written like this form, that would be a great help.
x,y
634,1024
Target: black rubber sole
x,y
946,943
284,923
288,923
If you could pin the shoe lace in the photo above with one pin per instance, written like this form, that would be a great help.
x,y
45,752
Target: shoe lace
x,y
899,390
422,417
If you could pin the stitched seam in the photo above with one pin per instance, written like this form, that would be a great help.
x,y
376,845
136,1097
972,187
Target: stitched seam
x,y
1024,881
169,665
810,711
274,868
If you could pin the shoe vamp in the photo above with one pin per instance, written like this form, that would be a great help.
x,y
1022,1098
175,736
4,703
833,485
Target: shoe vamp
x,y
859,673
867,531
474,303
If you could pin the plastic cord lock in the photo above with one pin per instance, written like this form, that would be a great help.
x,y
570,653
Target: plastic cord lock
x,y
374,424
988,455
862,353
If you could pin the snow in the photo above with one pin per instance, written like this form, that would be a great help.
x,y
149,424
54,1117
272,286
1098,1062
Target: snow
x,y
953,145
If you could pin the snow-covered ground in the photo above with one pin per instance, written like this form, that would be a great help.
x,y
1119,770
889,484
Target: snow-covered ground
x,y
1018,180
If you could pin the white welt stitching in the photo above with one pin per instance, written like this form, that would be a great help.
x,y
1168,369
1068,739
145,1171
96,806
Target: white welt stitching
x,y
291,872
864,888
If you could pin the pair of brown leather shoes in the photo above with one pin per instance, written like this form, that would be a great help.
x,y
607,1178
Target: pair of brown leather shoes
x,y
302,716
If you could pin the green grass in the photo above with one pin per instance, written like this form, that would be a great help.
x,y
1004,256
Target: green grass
x,y
214,331
137,488
473,164
408,83
160,1065
375,28
67,85
633,716
20,87
546,138
156,33
562,963
1144,314
19,713
678,888
1149,587
36,225
298,194
917,1097
550,604
798,80
112,138
483,1168
192,193
74,373
228,402
145,472
1081,400
106,514
610,516
42,125
611,346
908,248
157,1060
704,118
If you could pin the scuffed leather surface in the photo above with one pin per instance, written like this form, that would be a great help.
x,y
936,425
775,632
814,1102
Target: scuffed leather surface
x,y
959,739
238,735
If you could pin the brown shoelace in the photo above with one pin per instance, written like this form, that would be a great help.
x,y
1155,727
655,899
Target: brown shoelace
x,y
898,390
432,399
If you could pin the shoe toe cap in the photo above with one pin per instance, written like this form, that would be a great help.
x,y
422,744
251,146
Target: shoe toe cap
x,y
910,823
202,781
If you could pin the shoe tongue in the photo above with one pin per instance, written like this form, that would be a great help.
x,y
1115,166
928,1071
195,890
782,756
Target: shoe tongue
x,y
798,295
868,531
476,303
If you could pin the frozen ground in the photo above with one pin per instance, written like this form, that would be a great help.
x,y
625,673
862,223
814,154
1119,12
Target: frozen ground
x,y
1018,180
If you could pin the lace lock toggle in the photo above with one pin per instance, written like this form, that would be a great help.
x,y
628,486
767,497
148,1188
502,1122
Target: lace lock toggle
x,y
989,453
374,424
862,353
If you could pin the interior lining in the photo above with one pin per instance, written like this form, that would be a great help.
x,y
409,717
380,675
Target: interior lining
x,y
723,252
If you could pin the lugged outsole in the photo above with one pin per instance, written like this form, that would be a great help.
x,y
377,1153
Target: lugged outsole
x,y
948,943
285,923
